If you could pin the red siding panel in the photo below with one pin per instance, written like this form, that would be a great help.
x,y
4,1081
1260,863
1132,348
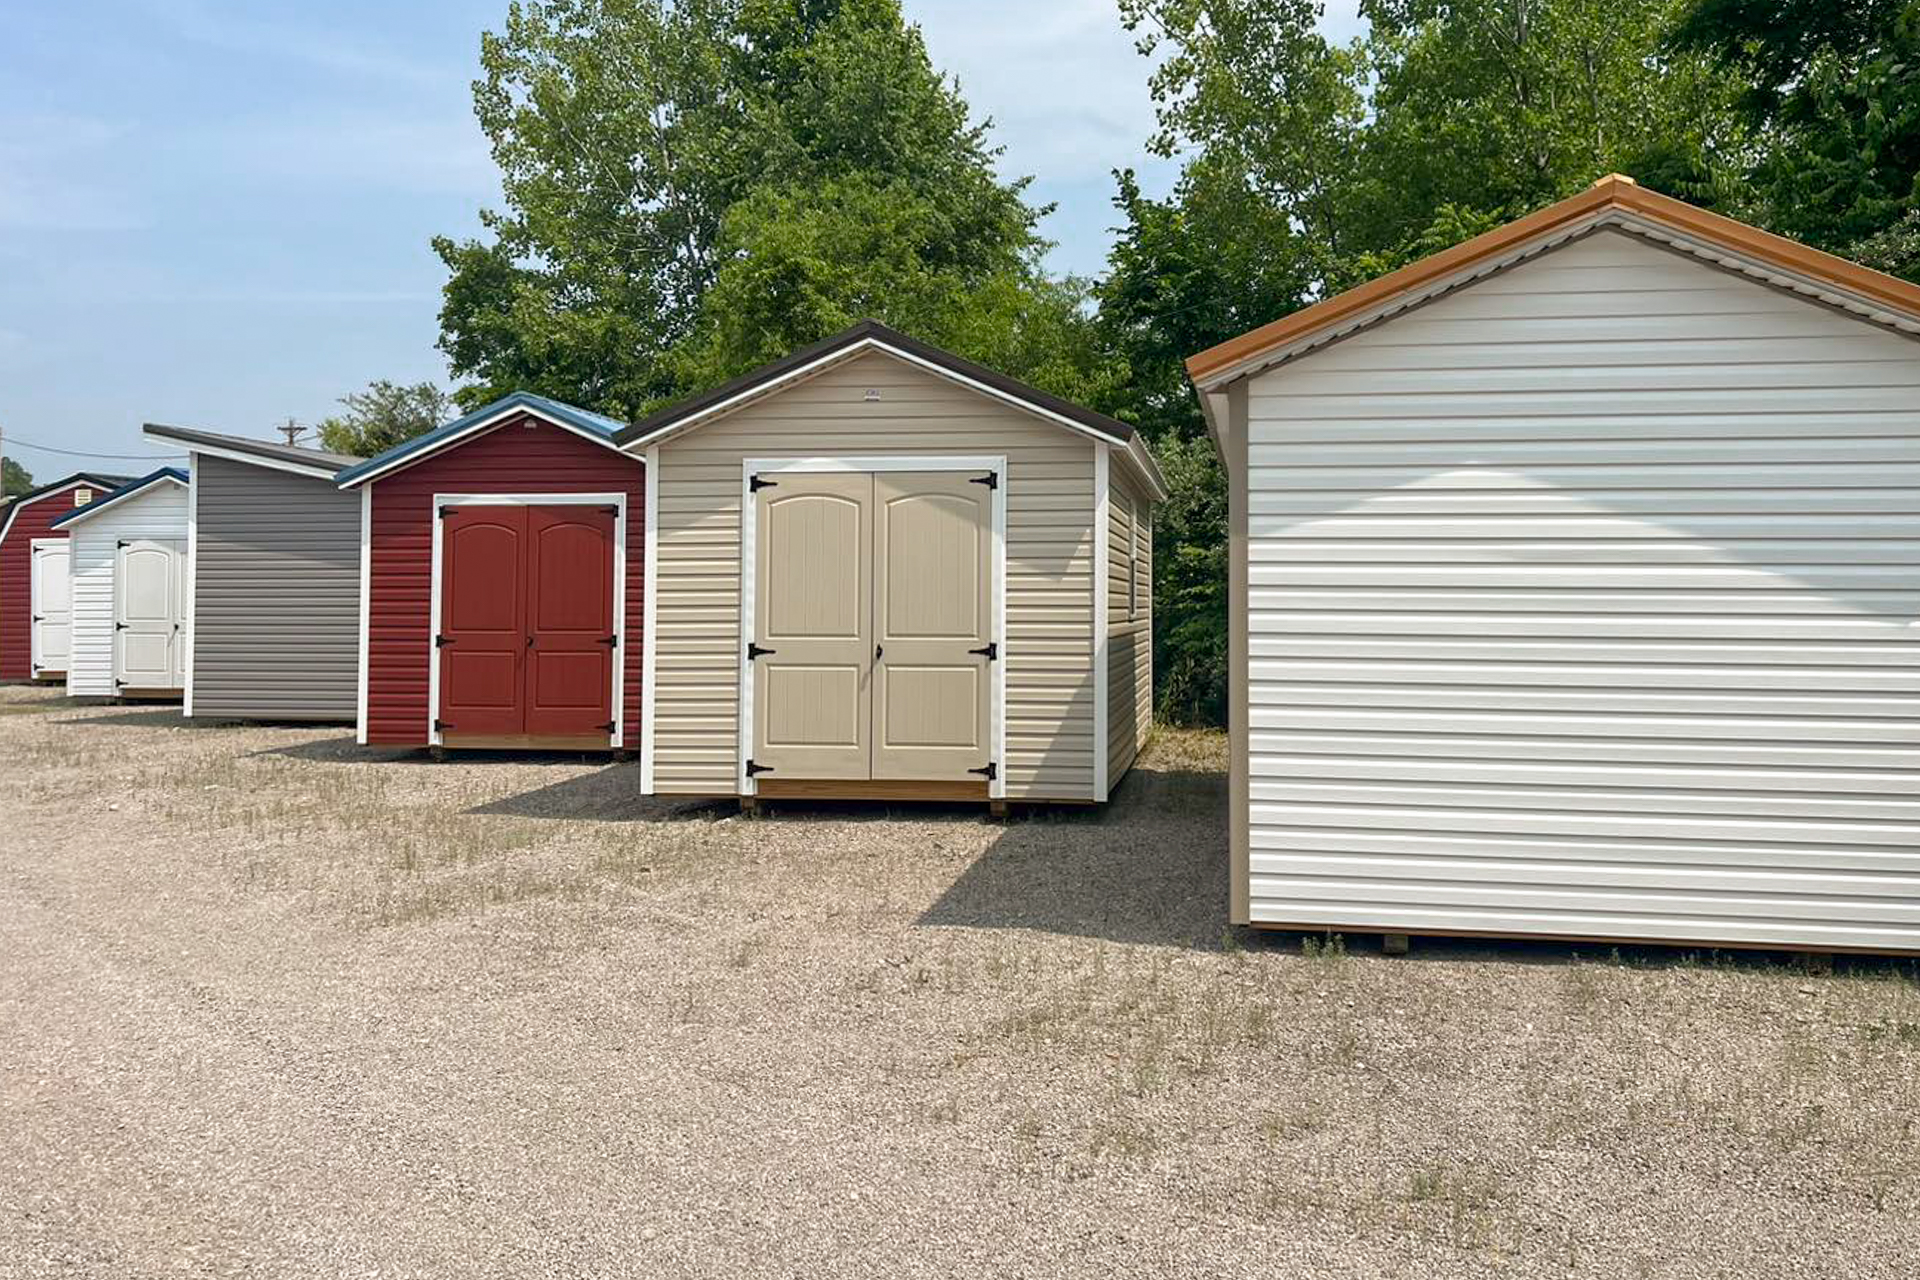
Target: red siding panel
x,y
16,574
525,455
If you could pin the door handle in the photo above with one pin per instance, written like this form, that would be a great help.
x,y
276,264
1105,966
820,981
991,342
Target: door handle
x,y
529,642
877,651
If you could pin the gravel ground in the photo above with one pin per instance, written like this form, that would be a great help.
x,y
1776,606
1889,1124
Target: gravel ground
x,y
275,1005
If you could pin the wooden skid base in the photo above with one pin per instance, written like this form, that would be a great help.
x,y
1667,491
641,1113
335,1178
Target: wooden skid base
x,y
863,789
525,742
151,695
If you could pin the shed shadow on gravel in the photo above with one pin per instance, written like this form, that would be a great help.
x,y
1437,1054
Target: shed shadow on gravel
x,y
148,717
1149,867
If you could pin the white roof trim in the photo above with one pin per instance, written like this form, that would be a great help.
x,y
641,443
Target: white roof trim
x,y
18,503
93,509
321,472
485,424
699,417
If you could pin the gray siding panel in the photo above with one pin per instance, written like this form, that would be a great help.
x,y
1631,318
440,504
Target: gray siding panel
x,y
276,594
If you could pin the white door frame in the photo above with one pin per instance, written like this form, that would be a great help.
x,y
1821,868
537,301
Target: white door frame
x,y
749,565
34,548
616,499
176,654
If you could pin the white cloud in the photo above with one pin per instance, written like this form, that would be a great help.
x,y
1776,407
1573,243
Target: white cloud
x,y
240,30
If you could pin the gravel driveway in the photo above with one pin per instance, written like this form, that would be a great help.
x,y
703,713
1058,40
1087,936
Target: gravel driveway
x,y
275,1005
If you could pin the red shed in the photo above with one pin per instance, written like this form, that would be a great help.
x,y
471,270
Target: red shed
x,y
33,623
501,584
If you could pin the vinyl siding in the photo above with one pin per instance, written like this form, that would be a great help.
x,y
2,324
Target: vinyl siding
x,y
30,521
1129,628
523,455
1582,602
276,582
1049,563
158,512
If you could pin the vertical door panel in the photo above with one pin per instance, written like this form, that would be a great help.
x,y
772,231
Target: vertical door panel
x,y
148,613
52,607
570,617
813,614
483,636
932,605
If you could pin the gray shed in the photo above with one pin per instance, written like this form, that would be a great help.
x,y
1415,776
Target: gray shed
x,y
273,580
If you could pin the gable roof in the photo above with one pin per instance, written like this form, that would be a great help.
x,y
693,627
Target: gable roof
x,y
16,501
163,475
863,336
1614,201
314,462
871,335
582,422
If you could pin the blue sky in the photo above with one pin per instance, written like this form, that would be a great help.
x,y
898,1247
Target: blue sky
x,y
216,212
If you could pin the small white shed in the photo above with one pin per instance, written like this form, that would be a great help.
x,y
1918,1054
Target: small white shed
x,y
128,556
1575,590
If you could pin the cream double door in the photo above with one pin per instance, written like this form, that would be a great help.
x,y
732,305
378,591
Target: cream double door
x,y
872,652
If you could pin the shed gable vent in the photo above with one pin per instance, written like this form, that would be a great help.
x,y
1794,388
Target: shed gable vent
x,y
81,497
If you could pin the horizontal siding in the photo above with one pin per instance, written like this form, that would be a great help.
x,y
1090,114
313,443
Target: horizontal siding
x,y
159,512
276,584
1583,601
1050,735
16,574
522,455
1129,628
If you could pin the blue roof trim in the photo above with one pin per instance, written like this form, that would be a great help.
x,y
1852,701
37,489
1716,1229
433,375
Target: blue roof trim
x,y
583,420
126,490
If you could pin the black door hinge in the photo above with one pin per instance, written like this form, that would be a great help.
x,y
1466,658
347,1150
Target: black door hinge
x,y
753,768
607,727
755,484
755,651
989,771
39,617
119,626
612,511
441,642
991,651
991,480
446,511
441,726
610,641
123,544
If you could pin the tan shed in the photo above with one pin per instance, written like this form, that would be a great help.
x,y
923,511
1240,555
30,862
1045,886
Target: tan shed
x,y
877,571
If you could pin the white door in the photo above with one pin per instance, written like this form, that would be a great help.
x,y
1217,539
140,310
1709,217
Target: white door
x,y
52,607
149,614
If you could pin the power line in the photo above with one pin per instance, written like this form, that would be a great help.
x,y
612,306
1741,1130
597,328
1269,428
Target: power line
x,y
17,442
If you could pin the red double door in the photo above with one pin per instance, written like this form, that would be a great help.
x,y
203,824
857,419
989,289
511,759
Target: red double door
x,y
527,642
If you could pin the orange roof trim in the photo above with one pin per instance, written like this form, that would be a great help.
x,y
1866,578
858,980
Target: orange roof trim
x,y
1615,192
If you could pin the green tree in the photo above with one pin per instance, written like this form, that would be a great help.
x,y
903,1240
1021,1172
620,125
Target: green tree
x,y
14,478
384,415
1835,95
696,185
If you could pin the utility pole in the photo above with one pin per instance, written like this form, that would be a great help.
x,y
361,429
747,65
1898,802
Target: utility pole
x,y
293,431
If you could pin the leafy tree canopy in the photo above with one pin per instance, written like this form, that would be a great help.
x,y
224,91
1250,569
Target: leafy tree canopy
x,y
384,415
14,478
694,187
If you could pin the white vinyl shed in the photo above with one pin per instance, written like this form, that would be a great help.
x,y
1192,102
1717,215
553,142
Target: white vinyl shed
x,y
128,560
1575,584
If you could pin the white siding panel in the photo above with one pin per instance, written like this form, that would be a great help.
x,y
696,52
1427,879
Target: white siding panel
x,y
158,512
1586,601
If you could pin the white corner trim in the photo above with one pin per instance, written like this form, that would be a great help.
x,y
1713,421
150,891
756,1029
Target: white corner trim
x,y
749,537
1102,642
193,575
650,567
366,607
617,500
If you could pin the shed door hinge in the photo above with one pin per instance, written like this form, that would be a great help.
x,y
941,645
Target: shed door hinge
x,y
122,544
441,642
753,768
607,728
441,726
119,626
991,480
755,484
446,511
990,651
755,651
612,510
610,641
989,771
